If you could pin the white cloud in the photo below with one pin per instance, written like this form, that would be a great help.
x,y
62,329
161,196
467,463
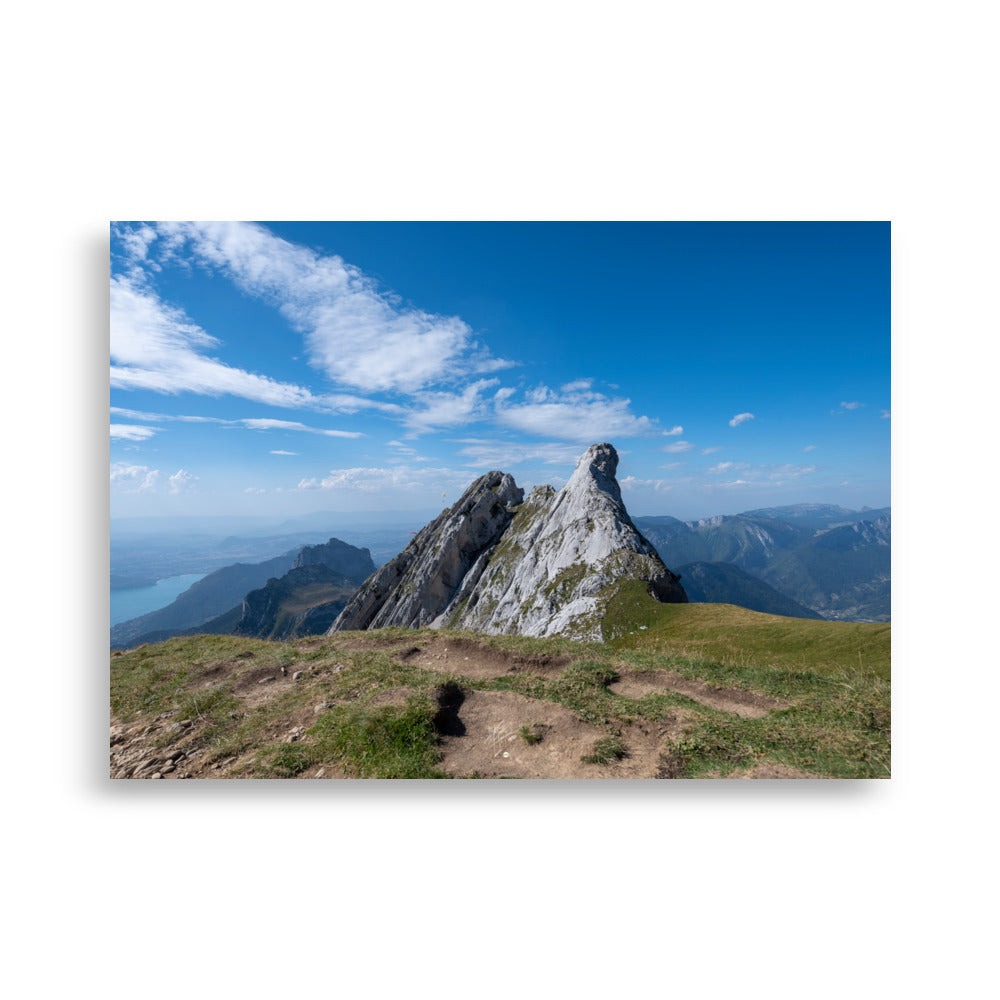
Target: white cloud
x,y
118,411
182,482
709,451
580,385
131,432
449,409
674,431
763,475
631,483
385,480
278,452
358,334
133,478
267,424
580,415
740,418
498,454
678,447
886,415
852,406
156,347
809,447
255,490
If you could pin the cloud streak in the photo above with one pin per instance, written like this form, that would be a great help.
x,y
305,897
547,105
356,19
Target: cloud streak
x,y
576,415
356,333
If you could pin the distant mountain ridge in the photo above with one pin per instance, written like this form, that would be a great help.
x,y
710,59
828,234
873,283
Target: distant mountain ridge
x,y
826,558
213,595
293,594
724,583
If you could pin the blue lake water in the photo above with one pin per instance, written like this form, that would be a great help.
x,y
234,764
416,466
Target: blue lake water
x,y
135,601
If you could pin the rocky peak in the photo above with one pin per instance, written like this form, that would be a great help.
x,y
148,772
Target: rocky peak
x,y
348,560
498,563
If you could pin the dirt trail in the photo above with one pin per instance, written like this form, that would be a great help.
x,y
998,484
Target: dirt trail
x,y
480,731
459,656
745,704
485,740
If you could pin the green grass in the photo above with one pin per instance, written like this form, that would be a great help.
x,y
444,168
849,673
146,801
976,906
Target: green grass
x,y
837,723
725,633
605,751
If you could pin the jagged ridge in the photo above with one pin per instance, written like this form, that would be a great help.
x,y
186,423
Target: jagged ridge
x,y
497,563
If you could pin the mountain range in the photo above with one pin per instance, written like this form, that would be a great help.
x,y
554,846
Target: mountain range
x,y
832,561
499,561
298,593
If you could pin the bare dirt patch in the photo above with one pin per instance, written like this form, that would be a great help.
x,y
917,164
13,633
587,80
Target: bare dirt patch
x,y
482,738
393,696
745,704
469,659
769,770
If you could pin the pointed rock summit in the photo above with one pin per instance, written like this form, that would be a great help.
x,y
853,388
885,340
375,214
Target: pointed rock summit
x,y
499,563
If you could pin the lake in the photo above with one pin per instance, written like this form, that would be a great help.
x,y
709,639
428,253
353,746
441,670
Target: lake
x,y
135,601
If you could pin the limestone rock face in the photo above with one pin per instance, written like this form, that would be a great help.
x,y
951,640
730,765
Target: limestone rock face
x,y
499,563
413,589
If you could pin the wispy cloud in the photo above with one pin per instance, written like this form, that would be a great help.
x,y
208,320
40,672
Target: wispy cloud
x,y
709,451
155,346
674,431
631,483
280,452
133,478
886,415
851,406
579,415
357,333
499,454
131,432
267,424
182,482
809,447
449,409
390,479
677,447
741,418
762,475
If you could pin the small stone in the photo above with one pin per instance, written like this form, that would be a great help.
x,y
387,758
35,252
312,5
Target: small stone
x,y
168,769
297,675
321,772
265,680
155,775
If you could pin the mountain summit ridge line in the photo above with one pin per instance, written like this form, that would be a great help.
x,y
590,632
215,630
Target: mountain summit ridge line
x,y
498,563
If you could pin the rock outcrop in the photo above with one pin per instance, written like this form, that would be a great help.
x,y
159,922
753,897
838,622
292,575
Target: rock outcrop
x,y
499,563
309,597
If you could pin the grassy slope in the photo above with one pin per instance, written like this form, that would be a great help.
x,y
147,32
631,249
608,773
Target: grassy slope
x,y
837,724
729,634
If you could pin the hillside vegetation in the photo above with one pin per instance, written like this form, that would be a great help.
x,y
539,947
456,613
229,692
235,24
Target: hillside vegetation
x,y
676,691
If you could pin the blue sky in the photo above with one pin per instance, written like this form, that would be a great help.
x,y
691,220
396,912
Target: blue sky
x,y
282,368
